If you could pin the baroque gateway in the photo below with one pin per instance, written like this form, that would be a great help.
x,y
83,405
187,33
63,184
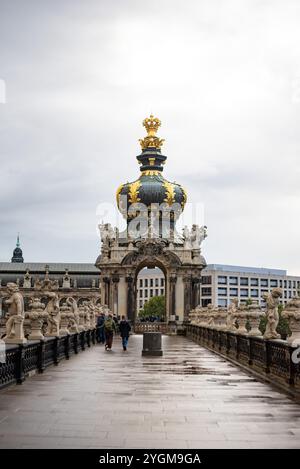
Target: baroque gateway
x,y
151,206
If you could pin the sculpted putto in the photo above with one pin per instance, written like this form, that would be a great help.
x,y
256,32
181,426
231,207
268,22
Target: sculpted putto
x,y
272,315
231,315
53,318
16,315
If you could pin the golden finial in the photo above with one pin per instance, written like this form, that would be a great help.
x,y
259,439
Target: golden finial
x,y
151,124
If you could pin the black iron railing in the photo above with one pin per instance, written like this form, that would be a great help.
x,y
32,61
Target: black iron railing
x,y
36,356
272,359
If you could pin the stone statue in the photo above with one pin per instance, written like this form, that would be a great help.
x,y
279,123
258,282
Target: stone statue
x,y
198,234
53,317
16,315
74,318
231,315
27,280
291,312
38,284
186,238
36,315
66,280
272,315
107,233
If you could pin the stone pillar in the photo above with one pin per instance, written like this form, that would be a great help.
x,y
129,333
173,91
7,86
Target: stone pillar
x,y
106,298
115,281
187,296
122,297
195,292
130,299
179,310
172,290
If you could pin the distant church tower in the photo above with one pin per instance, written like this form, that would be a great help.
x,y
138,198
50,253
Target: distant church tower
x,y
17,254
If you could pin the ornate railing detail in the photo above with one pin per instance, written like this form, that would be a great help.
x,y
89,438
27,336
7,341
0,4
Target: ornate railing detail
x,y
271,359
141,327
22,360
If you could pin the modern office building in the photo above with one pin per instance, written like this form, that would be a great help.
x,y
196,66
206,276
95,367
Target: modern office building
x,y
221,283
150,282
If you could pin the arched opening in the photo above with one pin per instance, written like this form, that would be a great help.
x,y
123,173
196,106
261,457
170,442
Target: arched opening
x,y
150,294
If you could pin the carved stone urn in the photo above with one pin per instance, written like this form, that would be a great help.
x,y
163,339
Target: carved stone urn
x,y
291,312
241,316
254,314
82,319
36,315
65,319
221,319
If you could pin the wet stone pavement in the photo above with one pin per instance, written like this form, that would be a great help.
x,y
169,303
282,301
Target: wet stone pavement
x,y
189,398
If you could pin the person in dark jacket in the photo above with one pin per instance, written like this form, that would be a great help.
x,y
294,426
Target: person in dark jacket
x,y
109,329
124,328
100,329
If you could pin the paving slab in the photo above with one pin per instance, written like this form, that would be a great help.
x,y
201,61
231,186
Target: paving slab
x,y
189,398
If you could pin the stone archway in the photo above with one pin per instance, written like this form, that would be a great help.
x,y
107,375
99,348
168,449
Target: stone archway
x,y
122,263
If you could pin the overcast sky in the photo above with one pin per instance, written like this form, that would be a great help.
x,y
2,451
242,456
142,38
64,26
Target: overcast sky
x,y
80,76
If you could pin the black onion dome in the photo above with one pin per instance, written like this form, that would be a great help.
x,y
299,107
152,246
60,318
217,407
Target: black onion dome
x,y
151,187
17,253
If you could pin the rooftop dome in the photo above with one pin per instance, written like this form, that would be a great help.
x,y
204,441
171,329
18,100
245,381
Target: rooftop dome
x,y
151,187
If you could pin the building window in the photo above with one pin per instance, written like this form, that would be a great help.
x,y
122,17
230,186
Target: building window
x,y
233,280
222,291
161,292
156,292
156,282
244,281
141,293
206,280
290,284
273,283
141,303
264,282
162,282
141,282
244,292
222,302
146,294
222,279
205,302
254,292
206,291
146,282
151,293
151,282
254,282
233,292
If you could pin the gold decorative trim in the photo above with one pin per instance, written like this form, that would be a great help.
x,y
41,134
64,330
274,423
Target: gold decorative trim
x,y
150,172
151,141
118,194
170,193
134,192
184,196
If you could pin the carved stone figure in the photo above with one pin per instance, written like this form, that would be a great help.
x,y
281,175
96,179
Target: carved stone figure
x,y
27,280
272,315
231,315
74,318
36,315
53,315
16,315
291,312
66,280
198,234
38,284
186,238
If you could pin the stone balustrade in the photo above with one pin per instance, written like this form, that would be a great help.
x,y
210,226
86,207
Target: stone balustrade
x,y
235,334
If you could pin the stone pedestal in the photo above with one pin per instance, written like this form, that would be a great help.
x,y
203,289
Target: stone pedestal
x,y
152,344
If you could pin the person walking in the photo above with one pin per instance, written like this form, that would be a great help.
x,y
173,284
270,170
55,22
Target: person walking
x,y
124,328
100,329
109,329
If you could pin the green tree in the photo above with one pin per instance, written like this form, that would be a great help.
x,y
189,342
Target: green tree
x,y
283,325
154,307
